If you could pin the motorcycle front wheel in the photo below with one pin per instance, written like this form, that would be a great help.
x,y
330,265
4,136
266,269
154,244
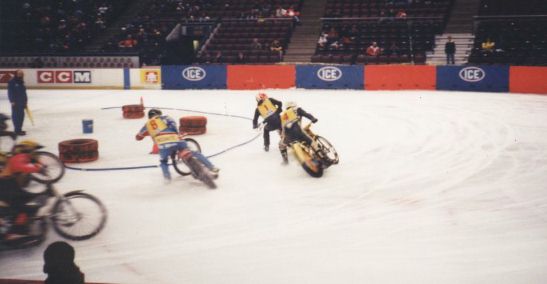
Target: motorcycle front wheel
x,y
53,168
327,150
78,216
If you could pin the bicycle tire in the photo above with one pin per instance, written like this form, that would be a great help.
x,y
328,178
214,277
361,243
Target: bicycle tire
x,y
67,227
54,171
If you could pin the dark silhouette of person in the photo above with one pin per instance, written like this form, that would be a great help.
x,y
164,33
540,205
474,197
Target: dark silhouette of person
x,y
59,265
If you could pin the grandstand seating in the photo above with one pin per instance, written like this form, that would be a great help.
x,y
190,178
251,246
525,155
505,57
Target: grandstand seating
x,y
519,36
240,21
374,8
57,26
70,61
358,23
236,36
512,7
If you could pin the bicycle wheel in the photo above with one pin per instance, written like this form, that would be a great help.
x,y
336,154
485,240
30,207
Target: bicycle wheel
x,y
327,151
78,216
53,168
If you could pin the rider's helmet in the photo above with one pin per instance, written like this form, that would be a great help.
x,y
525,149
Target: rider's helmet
x,y
154,112
3,124
291,104
26,146
261,96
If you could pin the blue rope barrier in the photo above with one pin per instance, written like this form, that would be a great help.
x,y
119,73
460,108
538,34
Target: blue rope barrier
x,y
155,166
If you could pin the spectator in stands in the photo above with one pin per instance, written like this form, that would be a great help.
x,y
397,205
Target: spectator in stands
x,y
346,40
353,33
450,50
276,47
280,12
240,58
218,58
488,46
322,42
291,12
336,45
373,49
128,42
401,14
59,265
255,44
332,35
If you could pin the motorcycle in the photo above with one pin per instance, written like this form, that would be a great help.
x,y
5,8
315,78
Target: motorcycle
x,y
318,156
74,215
186,164
52,171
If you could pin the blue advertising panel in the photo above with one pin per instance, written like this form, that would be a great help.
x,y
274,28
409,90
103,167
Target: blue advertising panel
x,y
329,77
193,77
473,78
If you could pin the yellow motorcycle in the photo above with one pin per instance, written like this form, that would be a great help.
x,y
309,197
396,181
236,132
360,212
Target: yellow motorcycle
x,y
318,156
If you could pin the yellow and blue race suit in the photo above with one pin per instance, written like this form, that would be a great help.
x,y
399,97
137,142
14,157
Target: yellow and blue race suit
x,y
164,132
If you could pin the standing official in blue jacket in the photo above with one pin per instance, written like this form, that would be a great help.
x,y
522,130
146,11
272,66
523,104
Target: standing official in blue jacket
x,y
17,94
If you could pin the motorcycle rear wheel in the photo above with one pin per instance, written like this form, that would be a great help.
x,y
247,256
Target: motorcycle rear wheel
x,y
317,172
201,172
178,164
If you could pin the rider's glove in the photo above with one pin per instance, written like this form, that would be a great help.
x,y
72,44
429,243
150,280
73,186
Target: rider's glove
x,y
315,120
139,137
255,126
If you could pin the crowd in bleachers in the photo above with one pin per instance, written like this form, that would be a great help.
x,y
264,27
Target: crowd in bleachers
x,y
379,31
61,26
147,33
248,42
259,31
505,36
387,9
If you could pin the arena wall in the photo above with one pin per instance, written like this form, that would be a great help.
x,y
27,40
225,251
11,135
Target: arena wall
x,y
487,78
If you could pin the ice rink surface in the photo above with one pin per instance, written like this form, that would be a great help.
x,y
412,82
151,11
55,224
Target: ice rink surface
x,y
432,187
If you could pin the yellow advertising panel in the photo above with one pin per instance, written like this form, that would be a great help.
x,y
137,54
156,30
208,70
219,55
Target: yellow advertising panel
x,y
150,76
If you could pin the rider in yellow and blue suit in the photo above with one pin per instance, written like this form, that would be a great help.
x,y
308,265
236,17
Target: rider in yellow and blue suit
x,y
163,129
290,121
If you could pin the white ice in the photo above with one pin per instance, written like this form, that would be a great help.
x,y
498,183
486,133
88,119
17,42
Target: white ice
x,y
432,187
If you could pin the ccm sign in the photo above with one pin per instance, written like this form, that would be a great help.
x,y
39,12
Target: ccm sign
x,y
64,77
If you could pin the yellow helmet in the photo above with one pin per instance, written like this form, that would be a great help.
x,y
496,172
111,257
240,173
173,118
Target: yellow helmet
x,y
26,146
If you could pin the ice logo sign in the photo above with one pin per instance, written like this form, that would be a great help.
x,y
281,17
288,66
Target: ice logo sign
x,y
329,73
472,74
194,73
